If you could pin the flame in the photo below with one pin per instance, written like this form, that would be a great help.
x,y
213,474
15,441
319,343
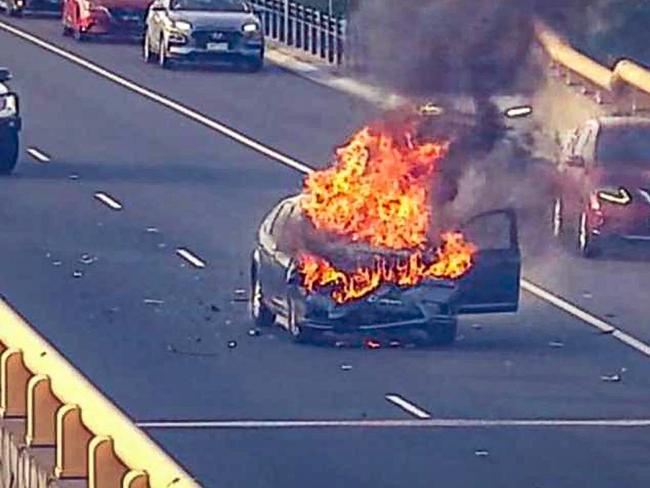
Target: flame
x,y
378,193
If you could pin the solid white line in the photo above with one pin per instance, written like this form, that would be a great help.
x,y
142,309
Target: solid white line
x,y
190,258
408,406
162,100
39,156
108,200
303,168
586,317
426,423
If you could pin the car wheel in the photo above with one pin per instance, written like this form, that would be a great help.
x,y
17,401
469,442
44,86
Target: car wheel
x,y
67,31
587,245
163,60
298,333
8,152
557,218
254,64
440,334
146,49
262,315
78,35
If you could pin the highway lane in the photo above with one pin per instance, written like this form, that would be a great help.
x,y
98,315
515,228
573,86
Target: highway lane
x,y
206,193
324,117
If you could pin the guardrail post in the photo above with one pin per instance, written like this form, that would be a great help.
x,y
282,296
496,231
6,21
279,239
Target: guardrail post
x,y
72,438
135,479
14,376
41,412
105,470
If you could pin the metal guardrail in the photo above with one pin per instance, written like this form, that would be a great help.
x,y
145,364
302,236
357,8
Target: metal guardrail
x,y
304,28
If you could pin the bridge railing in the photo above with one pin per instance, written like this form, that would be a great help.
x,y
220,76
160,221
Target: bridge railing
x,y
305,28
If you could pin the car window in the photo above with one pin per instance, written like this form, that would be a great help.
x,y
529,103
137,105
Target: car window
x,y
211,5
624,147
491,231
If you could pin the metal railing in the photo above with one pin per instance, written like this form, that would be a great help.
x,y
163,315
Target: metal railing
x,y
305,28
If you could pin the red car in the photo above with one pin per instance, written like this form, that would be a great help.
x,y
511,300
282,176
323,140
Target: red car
x,y
120,18
604,184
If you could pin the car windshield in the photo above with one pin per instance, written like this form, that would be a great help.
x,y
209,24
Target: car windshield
x,y
624,146
211,5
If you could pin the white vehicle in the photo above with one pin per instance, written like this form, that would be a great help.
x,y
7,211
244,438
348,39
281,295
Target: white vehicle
x,y
10,124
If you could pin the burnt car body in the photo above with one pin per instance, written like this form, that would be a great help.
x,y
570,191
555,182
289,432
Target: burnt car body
x,y
491,286
16,8
86,19
204,32
603,184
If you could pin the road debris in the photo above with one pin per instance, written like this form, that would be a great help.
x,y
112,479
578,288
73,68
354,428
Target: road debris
x,y
153,301
215,308
153,230
613,378
162,245
87,259
394,344
254,332
74,176
477,326
372,344
232,344
556,344
56,263
77,274
346,367
241,295
587,295
481,453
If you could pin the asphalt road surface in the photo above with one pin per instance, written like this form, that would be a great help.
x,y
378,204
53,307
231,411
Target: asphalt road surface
x,y
95,225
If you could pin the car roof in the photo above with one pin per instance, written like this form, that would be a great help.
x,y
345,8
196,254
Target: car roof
x,y
617,121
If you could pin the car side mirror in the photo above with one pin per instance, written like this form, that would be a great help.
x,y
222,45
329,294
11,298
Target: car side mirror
x,y
5,75
575,161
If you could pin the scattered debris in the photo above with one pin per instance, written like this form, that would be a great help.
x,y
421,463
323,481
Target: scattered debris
x,y
215,308
228,322
254,332
153,230
162,245
232,344
87,259
77,274
339,344
372,344
587,295
610,315
48,255
481,453
171,348
74,176
56,263
153,301
394,343
608,331
241,295
556,344
477,326
614,378
346,367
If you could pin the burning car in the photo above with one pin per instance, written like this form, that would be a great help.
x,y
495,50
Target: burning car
x,y
357,251
603,182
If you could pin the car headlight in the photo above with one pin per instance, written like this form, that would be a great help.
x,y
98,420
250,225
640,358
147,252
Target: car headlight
x,y
618,197
182,25
8,105
250,28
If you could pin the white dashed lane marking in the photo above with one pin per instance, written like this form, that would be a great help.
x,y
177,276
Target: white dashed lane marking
x,y
190,258
38,155
407,406
108,200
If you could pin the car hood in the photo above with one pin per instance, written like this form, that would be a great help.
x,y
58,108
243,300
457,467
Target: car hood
x,y
127,4
229,21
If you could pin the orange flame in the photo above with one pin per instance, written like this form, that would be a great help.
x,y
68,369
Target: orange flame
x,y
378,193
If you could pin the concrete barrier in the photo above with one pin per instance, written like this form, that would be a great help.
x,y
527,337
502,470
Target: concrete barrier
x,y
91,437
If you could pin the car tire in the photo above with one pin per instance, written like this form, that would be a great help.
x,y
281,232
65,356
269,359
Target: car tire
x,y
260,312
67,31
440,334
254,64
557,218
299,334
146,50
587,244
9,145
163,60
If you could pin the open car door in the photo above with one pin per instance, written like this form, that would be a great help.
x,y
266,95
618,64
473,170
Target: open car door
x,y
492,285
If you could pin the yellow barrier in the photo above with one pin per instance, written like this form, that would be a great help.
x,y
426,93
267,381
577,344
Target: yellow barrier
x,y
565,55
148,465
633,74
